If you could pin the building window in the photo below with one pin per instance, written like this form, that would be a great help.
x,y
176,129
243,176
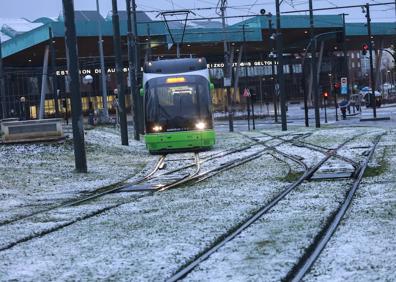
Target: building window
x,y
358,64
358,55
49,106
353,64
352,55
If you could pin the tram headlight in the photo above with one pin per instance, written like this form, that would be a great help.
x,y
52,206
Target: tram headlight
x,y
200,125
157,128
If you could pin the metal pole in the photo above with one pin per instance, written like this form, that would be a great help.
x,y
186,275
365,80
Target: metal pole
x,y
246,75
53,73
227,69
314,67
73,72
306,118
253,118
132,60
2,87
281,78
275,98
148,44
140,99
102,68
344,51
119,74
371,61
44,83
325,109
334,93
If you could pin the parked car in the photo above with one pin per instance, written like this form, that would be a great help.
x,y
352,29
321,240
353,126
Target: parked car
x,y
388,89
366,93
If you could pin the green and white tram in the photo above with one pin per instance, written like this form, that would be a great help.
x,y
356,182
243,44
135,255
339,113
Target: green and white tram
x,y
177,105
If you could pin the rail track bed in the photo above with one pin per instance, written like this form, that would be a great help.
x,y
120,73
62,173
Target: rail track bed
x,y
262,256
162,177
157,235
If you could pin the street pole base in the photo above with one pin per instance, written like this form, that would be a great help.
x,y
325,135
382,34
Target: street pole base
x,y
375,119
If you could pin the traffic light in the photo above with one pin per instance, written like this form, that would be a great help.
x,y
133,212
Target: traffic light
x,y
365,48
325,95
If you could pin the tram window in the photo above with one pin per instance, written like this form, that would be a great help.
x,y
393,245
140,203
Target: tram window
x,y
168,95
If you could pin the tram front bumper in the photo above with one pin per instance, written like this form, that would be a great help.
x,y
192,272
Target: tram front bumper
x,y
181,140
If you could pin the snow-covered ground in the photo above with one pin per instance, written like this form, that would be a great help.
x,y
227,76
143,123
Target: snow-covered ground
x,y
363,248
36,176
148,237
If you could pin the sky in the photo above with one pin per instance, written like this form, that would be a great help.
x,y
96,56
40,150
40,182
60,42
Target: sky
x,y
33,9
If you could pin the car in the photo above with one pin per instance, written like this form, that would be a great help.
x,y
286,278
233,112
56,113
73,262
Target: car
x,y
388,89
366,92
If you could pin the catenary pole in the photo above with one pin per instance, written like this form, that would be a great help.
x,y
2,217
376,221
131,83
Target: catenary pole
x,y
132,62
303,83
44,85
370,44
345,53
119,74
2,87
53,72
102,67
315,85
281,77
227,69
246,76
271,44
74,80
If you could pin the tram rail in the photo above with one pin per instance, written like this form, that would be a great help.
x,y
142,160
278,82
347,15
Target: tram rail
x,y
231,234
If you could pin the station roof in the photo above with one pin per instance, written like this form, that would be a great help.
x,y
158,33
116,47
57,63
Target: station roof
x,y
21,34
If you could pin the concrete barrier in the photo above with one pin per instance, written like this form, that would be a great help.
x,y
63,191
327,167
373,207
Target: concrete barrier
x,y
32,130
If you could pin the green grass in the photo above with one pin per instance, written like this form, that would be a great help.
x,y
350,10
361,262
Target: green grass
x,y
292,176
380,169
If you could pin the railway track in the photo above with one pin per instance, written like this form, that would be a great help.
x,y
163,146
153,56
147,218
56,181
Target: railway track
x,y
96,194
122,185
80,203
156,185
314,250
225,238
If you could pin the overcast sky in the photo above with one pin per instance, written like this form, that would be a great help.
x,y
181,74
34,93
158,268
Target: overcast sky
x,y
33,9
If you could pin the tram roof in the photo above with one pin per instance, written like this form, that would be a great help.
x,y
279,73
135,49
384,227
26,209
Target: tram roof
x,y
19,35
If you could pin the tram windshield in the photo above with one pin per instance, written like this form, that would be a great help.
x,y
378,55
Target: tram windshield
x,y
177,103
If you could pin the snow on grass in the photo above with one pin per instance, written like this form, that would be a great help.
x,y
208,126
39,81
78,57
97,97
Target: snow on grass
x,y
149,239
363,248
34,176
150,236
268,250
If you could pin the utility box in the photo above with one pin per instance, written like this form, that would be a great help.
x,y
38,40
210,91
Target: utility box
x,y
32,130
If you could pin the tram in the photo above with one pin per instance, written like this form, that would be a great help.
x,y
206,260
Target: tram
x,y
177,105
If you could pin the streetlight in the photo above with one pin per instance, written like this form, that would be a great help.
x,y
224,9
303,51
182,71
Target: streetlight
x,y
366,11
272,56
281,78
88,80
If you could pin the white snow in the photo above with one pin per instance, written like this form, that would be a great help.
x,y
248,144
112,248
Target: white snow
x,y
149,236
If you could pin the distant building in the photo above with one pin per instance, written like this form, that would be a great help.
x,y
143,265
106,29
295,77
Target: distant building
x,y
24,42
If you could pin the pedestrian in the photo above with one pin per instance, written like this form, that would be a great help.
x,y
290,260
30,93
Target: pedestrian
x,y
344,104
116,107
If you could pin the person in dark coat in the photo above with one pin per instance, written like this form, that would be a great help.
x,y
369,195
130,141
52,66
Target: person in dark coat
x,y
344,104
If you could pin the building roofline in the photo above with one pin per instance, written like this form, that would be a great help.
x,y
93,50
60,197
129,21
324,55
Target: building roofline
x,y
255,26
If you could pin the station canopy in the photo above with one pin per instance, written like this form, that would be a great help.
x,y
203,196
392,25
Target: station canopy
x,y
22,39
